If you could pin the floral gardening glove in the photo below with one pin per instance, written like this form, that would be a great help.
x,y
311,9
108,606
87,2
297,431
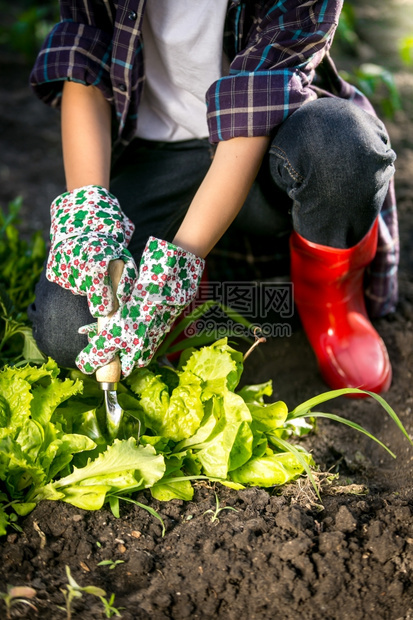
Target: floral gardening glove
x,y
88,231
168,281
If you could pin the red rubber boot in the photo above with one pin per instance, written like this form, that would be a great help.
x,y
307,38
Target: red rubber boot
x,y
328,293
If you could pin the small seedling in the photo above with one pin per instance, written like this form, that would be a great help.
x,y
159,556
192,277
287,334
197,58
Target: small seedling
x,y
13,518
109,609
74,590
149,509
16,595
218,509
111,563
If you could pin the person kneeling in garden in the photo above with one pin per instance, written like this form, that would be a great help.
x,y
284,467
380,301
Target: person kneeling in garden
x,y
283,147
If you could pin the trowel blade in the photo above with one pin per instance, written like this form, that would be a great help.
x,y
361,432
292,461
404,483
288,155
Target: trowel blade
x,y
113,413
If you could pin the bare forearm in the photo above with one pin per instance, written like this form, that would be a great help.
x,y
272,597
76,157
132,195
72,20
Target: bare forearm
x,y
221,194
86,136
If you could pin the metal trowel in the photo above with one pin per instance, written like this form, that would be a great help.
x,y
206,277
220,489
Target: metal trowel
x,y
108,376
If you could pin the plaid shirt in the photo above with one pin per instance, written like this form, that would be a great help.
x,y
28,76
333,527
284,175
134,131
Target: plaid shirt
x,y
279,61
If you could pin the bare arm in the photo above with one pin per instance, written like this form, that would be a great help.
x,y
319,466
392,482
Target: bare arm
x,y
86,136
221,194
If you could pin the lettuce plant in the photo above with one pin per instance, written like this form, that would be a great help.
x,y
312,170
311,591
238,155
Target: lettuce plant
x,y
180,424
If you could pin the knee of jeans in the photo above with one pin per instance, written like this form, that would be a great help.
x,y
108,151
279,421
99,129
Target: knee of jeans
x,y
339,140
56,316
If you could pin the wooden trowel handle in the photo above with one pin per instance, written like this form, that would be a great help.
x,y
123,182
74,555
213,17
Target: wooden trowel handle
x,y
112,371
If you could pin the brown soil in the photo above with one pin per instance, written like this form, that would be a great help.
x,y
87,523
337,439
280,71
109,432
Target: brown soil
x,y
280,555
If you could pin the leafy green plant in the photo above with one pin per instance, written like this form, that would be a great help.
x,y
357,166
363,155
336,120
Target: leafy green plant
x,y
111,563
12,324
16,595
7,517
109,608
73,590
22,262
33,447
195,425
218,509
37,445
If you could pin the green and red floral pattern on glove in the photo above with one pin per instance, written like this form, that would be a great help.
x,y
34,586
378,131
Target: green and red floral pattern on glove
x,y
168,281
89,230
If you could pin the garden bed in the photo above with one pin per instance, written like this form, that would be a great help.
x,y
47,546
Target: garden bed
x,y
279,554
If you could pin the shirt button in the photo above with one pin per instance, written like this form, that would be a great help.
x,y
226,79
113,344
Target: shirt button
x,y
123,88
132,16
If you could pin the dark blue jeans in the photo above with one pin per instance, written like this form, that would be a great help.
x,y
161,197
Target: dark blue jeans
x,y
325,175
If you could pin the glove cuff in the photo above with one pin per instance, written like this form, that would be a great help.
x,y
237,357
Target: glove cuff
x,y
89,210
169,274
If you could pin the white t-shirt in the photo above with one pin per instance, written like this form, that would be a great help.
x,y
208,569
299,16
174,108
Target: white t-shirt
x,y
183,56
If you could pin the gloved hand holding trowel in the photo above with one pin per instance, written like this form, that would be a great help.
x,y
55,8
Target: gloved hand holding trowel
x,y
88,256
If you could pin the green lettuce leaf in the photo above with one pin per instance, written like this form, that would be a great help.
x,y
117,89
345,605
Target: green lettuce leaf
x,y
159,443
122,457
47,398
34,392
236,486
68,446
173,489
32,374
267,471
218,365
260,442
4,521
255,393
16,398
205,430
86,423
30,438
16,469
90,497
48,491
4,412
268,417
23,508
31,352
230,443
123,466
176,415
191,464
34,448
